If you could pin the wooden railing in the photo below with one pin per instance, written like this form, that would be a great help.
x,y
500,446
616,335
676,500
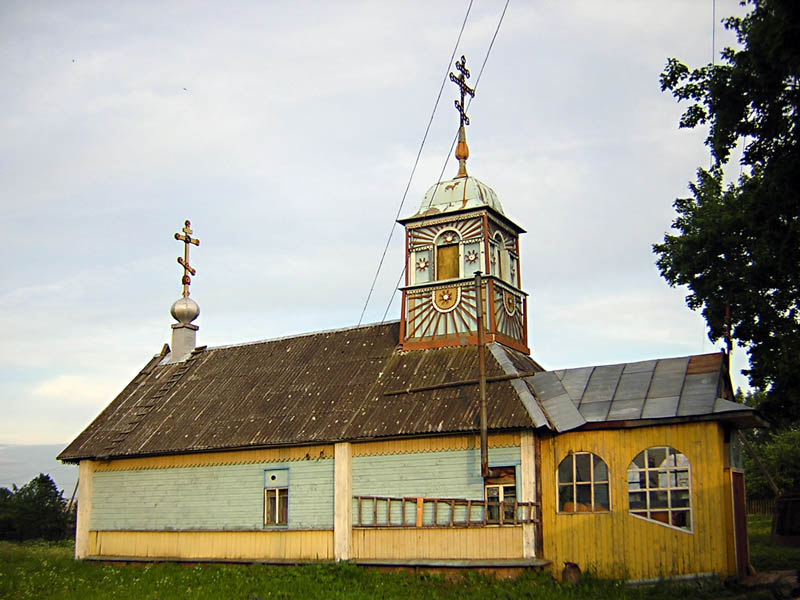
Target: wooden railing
x,y
385,511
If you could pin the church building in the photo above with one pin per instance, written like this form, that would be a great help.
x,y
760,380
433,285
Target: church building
x,y
434,441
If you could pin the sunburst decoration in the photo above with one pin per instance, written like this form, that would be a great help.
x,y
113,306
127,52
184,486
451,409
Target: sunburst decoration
x,y
422,264
428,321
467,229
509,322
471,256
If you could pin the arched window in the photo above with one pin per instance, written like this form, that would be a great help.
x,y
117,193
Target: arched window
x,y
447,255
659,487
583,484
501,256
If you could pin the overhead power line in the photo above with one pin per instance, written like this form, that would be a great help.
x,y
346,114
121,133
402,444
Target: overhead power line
x,y
450,152
416,162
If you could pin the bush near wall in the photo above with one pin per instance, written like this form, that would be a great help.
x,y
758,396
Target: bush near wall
x,y
37,510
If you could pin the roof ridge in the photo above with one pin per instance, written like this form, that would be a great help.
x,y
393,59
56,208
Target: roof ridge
x,y
302,335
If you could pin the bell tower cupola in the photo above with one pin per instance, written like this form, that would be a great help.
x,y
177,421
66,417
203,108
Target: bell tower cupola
x,y
460,229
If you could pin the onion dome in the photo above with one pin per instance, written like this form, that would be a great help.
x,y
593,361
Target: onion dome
x,y
184,310
458,194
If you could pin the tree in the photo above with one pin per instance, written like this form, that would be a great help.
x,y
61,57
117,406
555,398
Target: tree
x,y
737,247
36,510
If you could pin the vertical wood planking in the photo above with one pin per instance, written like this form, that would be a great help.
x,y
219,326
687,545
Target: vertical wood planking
x,y
83,543
620,545
226,545
343,501
459,543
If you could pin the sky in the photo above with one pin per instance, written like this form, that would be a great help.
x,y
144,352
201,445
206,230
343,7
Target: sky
x,y
287,132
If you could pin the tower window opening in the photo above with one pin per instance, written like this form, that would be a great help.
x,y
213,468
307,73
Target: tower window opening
x,y
448,256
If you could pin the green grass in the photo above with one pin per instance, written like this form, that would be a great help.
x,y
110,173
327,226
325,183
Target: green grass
x,y
764,557
47,571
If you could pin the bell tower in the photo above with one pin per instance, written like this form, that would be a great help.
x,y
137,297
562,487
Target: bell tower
x,y
460,229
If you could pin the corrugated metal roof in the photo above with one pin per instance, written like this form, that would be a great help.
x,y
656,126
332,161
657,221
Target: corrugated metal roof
x,y
655,389
357,384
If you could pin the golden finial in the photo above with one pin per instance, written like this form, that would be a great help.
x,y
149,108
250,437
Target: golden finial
x,y
184,262
462,150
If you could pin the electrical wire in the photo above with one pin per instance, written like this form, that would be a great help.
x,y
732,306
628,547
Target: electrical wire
x,y
452,145
416,161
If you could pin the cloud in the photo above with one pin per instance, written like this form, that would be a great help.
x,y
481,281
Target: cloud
x,y
77,390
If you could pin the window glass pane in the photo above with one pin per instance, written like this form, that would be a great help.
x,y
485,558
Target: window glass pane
x,y
584,494
680,498
662,479
509,493
565,497
601,496
639,460
633,480
637,500
652,479
565,470
509,498
283,508
658,500
492,493
600,470
272,512
682,518
682,478
447,262
656,456
583,467
640,514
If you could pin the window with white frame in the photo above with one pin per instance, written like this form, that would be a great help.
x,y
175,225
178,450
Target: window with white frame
x,y
501,495
276,497
583,484
659,487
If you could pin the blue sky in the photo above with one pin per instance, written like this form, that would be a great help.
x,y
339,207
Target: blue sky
x,y
286,133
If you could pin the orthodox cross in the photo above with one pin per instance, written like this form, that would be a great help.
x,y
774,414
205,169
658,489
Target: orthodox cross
x,y
184,262
461,82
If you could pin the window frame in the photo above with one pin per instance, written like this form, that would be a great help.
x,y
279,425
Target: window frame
x,y
507,479
439,243
276,488
670,474
574,483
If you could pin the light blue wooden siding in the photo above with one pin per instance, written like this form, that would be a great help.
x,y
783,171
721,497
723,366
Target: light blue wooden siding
x,y
447,474
214,497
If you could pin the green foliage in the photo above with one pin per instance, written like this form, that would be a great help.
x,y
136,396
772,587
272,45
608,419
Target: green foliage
x,y
779,452
739,246
37,510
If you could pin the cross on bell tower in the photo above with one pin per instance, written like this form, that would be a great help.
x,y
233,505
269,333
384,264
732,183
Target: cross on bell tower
x,y
462,150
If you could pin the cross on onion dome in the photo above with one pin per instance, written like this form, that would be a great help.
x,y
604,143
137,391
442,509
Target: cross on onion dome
x,y
184,262
461,82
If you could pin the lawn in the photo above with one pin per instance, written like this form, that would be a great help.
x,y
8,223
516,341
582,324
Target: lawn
x,y
764,557
46,570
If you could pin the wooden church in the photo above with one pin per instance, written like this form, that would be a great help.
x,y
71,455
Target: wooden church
x,y
435,441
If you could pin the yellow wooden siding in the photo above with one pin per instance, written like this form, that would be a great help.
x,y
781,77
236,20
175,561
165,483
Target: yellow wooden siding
x,y
462,543
233,545
219,458
433,444
617,544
